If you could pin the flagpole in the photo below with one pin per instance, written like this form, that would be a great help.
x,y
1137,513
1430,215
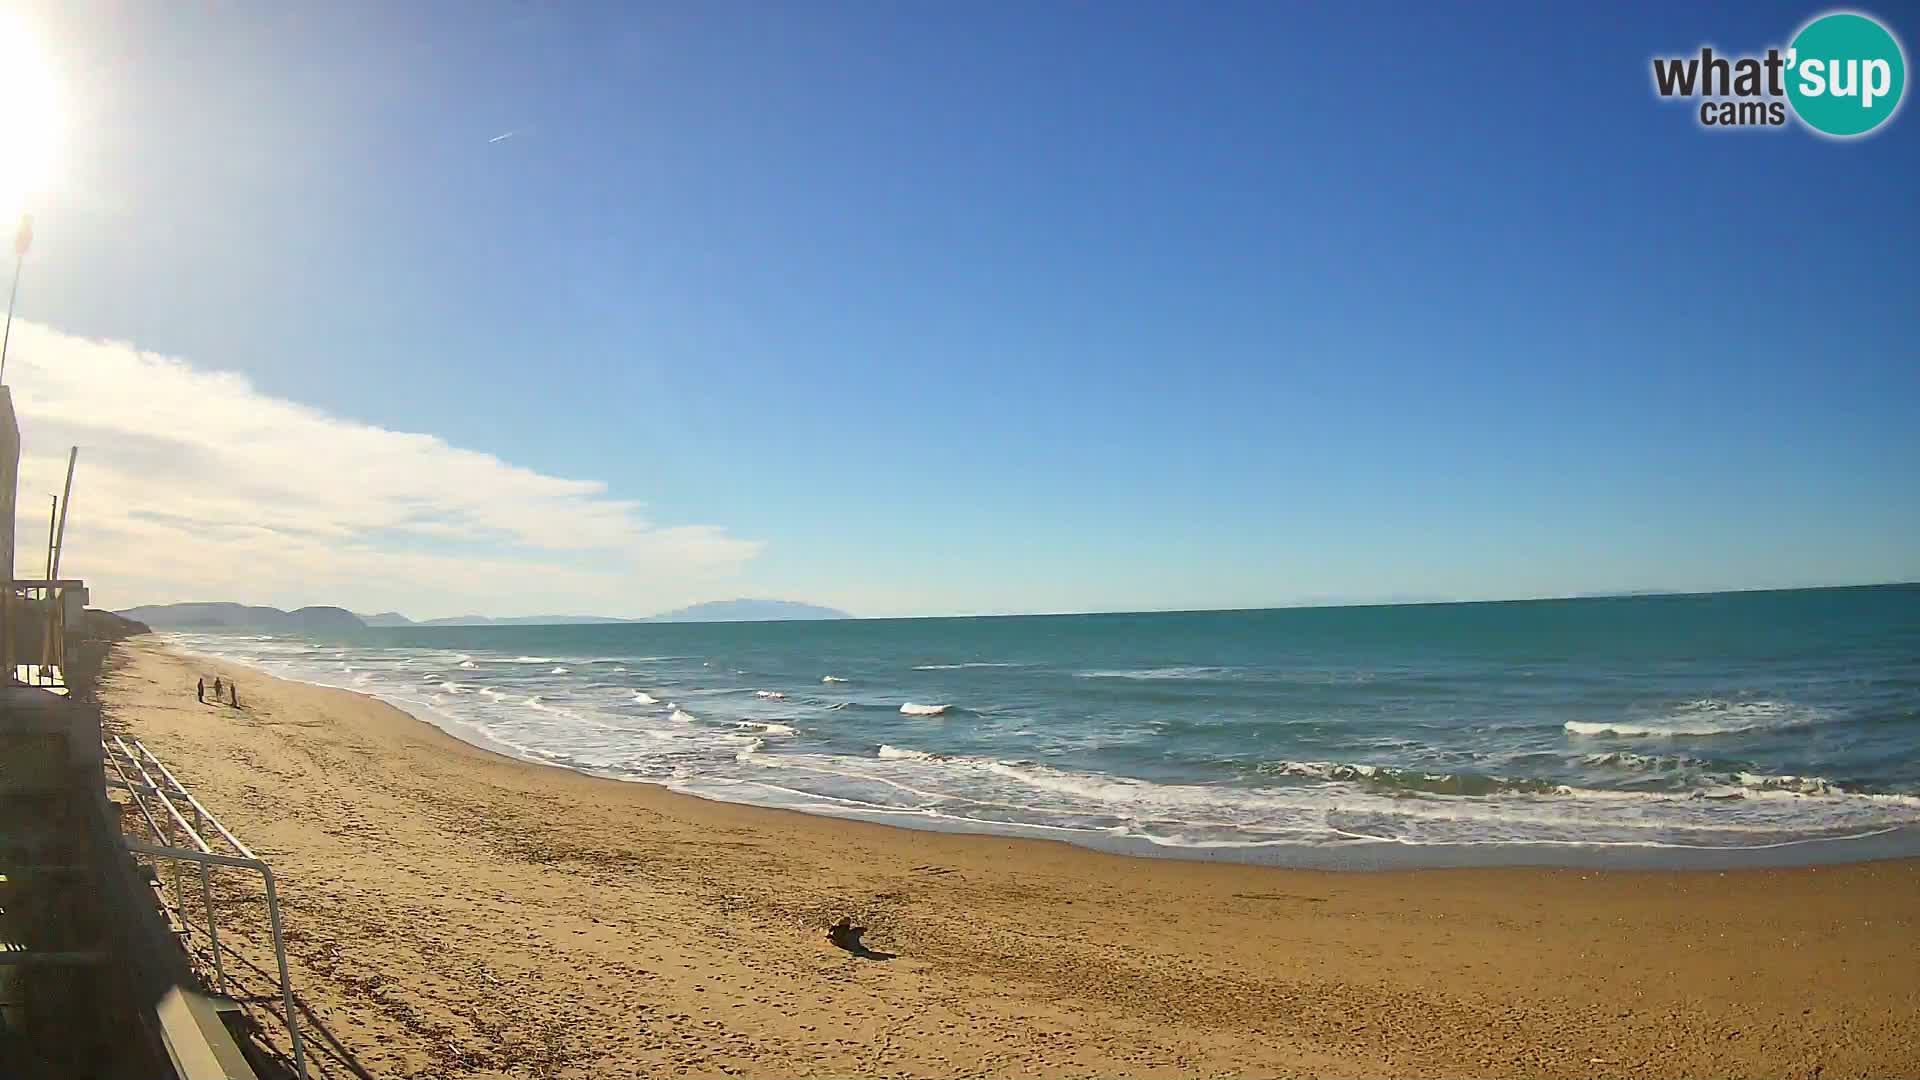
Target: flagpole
x,y
21,242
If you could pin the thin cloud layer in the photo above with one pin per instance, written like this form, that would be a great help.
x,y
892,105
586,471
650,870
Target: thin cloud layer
x,y
283,504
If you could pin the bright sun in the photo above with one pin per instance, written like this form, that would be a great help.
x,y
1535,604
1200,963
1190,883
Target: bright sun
x,y
29,122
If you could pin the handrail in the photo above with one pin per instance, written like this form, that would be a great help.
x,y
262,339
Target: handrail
x,y
195,803
162,795
205,857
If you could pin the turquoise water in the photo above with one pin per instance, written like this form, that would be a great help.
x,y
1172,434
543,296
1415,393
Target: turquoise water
x,y
1726,722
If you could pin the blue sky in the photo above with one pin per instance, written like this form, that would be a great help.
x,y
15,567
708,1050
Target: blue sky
x,y
995,307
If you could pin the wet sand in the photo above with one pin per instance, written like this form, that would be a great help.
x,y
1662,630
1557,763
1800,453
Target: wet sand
x,y
456,913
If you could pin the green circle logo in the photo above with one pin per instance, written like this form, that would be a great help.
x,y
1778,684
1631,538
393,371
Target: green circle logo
x,y
1845,74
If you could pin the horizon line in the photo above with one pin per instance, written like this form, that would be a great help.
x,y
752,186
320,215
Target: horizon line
x,y
1310,606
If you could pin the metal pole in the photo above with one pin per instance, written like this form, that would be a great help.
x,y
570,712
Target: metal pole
x,y
213,927
206,903
286,985
66,503
46,637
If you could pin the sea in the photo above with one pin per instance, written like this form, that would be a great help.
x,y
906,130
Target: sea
x,y
1723,729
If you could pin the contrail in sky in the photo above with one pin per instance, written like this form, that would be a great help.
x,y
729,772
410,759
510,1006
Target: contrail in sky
x,y
508,135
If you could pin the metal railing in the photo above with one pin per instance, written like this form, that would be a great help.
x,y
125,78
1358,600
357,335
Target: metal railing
x,y
131,764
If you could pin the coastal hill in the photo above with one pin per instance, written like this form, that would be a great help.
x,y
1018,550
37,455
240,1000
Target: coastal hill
x,y
224,617
217,617
712,611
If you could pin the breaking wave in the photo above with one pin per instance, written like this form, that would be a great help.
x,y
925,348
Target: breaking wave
x,y
1157,673
895,753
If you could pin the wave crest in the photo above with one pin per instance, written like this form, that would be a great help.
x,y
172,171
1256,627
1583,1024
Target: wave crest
x,y
1705,717
901,753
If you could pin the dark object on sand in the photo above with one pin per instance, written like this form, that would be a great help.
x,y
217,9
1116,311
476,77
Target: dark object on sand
x,y
847,936
233,695
200,691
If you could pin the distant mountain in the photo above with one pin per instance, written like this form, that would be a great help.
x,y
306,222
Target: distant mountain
x,y
219,617
749,611
238,618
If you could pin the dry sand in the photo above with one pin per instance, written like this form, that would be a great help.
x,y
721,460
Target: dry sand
x,y
453,913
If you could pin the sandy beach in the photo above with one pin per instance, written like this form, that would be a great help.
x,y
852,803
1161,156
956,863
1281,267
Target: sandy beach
x,y
456,913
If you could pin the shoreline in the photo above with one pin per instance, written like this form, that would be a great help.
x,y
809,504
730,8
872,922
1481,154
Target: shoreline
x,y
1893,843
454,913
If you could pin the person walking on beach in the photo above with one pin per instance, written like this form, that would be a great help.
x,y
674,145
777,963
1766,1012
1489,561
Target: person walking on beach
x,y
216,689
200,690
233,693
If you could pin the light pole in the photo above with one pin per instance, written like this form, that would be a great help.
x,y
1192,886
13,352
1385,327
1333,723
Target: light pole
x,y
22,240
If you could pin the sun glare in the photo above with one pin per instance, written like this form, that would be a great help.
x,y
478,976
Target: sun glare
x,y
29,122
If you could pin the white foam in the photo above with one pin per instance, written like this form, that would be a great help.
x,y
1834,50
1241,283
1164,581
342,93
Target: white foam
x,y
559,671
643,698
910,709
1803,785
765,727
831,678
469,665
899,753
1708,716
958,667
1156,673
771,695
1623,759
684,717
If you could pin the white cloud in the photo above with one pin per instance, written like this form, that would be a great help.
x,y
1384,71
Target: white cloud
x,y
195,485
